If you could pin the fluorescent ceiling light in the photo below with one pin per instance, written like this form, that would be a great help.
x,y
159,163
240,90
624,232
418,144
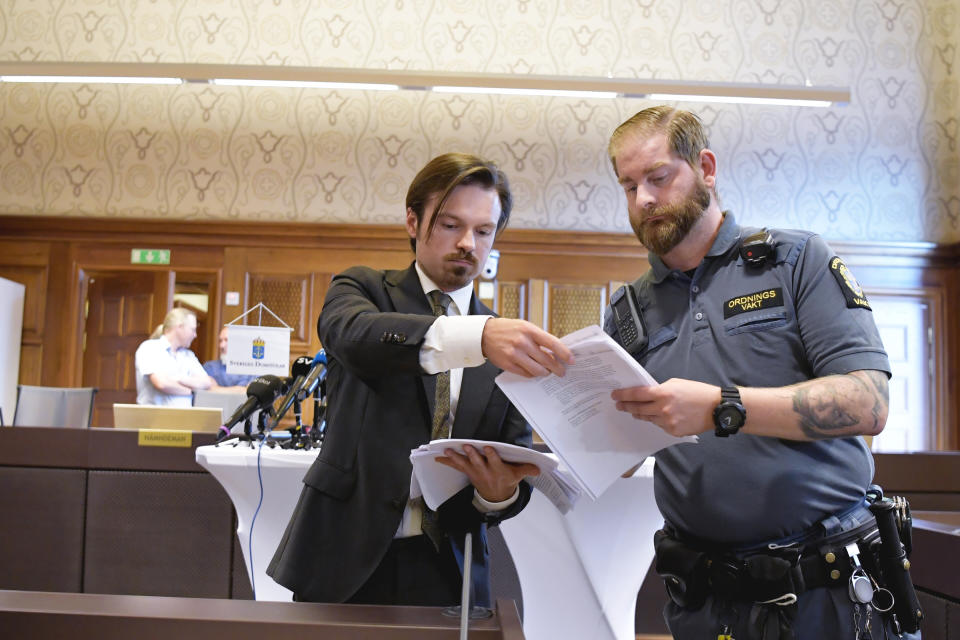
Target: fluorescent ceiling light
x,y
325,78
93,79
781,102
304,84
527,92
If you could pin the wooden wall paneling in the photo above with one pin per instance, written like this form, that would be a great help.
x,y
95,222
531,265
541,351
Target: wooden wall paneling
x,y
512,300
34,279
106,254
29,263
287,296
526,255
233,282
568,275
321,284
282,281
569,267
31,367
575,306
59,354
537,311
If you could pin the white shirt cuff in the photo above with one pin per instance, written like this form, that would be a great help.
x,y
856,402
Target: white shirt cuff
x,y
485,506
453,342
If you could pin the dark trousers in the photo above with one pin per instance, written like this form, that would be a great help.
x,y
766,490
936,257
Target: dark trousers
x,y
413,573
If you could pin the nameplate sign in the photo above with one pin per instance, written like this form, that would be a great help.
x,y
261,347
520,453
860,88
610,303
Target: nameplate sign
x,y
164,438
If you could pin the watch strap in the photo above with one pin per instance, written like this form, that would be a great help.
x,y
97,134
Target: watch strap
x,y
730,394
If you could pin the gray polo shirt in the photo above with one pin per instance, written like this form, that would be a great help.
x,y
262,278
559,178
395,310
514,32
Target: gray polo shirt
x,y
790,320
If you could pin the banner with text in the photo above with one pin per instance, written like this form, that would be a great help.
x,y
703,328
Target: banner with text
x,y
257,350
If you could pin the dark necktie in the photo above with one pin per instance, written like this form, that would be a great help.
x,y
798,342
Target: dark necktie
x,y
442,420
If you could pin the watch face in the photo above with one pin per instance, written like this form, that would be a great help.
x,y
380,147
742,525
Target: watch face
x,y
729,417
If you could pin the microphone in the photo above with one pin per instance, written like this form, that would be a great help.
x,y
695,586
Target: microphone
x,y
299,371
317,374
260,394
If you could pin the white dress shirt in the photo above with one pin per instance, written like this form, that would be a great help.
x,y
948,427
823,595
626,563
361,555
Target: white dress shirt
x,y
451,343
159,356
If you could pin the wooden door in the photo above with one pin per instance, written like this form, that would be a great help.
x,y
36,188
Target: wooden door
x,y
123,308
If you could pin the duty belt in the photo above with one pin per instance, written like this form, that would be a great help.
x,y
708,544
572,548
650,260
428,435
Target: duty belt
x,y
766,575
871,558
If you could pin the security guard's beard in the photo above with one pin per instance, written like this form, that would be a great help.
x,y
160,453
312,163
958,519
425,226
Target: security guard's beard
x,y
675,220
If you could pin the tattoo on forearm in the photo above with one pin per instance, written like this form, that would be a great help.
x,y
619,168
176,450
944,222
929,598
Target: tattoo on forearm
x,y
881,394
842,405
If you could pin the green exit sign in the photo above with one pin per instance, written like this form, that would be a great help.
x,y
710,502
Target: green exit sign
x,y
150,256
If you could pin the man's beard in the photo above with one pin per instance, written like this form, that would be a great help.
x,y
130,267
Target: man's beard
x,y
678,218
459,276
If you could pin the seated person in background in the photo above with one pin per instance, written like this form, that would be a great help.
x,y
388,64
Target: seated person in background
x,y
167,370
217,369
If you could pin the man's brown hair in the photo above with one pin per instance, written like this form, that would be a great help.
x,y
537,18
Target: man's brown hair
x,y
445,173
684,131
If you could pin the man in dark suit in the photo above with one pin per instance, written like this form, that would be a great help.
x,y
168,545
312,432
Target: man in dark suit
x,y
407,365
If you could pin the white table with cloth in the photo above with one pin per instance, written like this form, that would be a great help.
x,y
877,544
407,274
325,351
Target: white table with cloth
x,y
579,572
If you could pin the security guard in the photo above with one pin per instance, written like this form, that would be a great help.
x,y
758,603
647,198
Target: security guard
x,y
765,347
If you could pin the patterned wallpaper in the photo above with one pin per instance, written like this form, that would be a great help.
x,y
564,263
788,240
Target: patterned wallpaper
x,y
884,167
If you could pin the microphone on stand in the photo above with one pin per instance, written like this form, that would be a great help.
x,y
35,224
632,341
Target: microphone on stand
x,y
304,370
315,385
317,374
260,395
298,373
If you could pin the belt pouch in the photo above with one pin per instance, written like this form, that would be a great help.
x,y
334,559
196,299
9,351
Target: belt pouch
x,y
683,570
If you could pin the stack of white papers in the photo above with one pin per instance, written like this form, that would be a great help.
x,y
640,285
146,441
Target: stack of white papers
x,y
579,420
437,482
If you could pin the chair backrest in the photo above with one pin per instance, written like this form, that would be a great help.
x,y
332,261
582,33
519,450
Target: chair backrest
x,y
53,406
226,401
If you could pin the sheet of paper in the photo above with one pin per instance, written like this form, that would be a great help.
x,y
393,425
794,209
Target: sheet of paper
x,y
559,487
439,482
579,420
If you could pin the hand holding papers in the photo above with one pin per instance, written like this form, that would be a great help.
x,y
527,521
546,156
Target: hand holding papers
x,y
577,418
437,482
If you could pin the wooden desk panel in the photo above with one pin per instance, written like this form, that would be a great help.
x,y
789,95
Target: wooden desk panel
x,y
26,614
41,528
94,449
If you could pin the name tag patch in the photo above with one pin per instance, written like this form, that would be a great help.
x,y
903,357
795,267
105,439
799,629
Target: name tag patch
x,y
848,284
753,302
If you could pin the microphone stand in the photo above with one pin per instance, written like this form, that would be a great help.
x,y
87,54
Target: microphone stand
x,y
262,423
298,423
465,611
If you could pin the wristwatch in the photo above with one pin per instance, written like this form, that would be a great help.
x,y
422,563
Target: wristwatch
x,y
729,415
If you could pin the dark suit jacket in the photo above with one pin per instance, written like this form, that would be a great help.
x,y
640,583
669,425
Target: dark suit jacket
x,y
380,406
